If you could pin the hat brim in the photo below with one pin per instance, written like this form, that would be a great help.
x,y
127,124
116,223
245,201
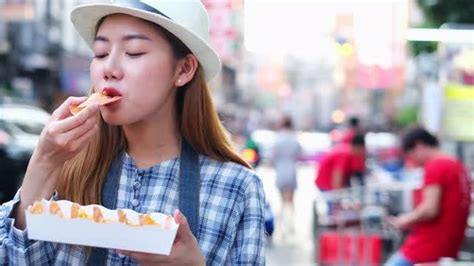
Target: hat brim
x,y
86,17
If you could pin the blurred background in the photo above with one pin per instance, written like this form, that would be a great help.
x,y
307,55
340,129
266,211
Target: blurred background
x,y
390,63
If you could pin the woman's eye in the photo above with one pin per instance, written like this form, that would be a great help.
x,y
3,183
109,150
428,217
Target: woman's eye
x,y
100,56
135,54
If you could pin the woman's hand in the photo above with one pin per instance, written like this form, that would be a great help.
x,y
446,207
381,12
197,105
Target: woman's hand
x,y
61,139
185,250
66,134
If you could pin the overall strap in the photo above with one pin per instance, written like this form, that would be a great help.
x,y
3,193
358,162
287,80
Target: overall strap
x,y
110,188
189,186
188,195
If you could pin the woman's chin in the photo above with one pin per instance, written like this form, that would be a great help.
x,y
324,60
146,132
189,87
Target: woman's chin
x,y
112,120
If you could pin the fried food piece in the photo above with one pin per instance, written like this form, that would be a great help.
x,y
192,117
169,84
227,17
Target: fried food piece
x,y
97,97
54,209
146,219
97,215
76,212
37,208
122,217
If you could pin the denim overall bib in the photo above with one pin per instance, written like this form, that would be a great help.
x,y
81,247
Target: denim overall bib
x,y
189,187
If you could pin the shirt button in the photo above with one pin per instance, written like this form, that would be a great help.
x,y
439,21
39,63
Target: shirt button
x,y
141,173
136,185
135,203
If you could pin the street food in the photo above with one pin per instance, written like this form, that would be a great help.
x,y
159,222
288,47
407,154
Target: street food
x,y
146,219
37,208
54,209
99,214
77,212
99,98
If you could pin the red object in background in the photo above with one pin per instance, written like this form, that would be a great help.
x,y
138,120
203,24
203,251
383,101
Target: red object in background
x,y
449,226
349,248
4,138
335,135
468,79
336,160
417,196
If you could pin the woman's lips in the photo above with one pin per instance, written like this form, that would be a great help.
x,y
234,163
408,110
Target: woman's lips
x,y
111,92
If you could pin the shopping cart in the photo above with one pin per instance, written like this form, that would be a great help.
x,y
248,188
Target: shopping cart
x,y
350,228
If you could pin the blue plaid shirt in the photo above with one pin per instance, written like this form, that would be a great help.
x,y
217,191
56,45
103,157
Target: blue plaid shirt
x,y
231,230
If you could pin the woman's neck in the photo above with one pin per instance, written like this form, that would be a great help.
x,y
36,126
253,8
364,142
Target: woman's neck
x,y
150,142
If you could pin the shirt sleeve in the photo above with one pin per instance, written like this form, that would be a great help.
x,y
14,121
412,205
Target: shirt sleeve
x,y
342,163
433,174
15,247
249,244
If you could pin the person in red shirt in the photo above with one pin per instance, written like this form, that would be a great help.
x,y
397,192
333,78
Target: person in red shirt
x,y
337,167
437,224
353,130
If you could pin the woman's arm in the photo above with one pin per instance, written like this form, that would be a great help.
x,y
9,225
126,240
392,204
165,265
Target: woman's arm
x,y
15,246
249,244
62,138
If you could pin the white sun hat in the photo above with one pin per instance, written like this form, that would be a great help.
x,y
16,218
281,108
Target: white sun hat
x,y
186,19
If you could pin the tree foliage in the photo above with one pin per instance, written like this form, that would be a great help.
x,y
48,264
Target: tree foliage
x,y
438,12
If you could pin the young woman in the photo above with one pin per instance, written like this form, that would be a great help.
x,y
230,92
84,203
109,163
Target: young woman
x,y
159,148
285,158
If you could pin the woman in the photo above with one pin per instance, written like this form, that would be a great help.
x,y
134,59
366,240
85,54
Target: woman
x,y
133,153
285,157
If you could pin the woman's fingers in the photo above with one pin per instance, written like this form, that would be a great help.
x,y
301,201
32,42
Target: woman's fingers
x,y
63,110
83,139
72,122
75,133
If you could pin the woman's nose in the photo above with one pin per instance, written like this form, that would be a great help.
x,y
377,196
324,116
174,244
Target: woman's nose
x,y
113,68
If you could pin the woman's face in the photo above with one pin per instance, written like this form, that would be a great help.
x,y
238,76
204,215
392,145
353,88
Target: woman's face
x,y
134,60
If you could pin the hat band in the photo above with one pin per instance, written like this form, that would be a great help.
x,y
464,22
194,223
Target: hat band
x,y
139,5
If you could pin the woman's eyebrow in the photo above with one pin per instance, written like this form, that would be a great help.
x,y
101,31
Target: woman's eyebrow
x,y
124,38
135,36
100,39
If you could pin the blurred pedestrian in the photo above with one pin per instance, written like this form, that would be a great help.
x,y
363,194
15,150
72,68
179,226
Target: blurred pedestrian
x,y
284,159
437,224
158,148
340,164
353,129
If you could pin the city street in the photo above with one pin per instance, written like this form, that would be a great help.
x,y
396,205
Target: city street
x,y
298,249
374,97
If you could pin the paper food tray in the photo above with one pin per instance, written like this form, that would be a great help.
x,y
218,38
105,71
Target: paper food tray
x,y
97,226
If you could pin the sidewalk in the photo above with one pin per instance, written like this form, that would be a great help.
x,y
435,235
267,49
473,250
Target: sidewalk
x,y
293,248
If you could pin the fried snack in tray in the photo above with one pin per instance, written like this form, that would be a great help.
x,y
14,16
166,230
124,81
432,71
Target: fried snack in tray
x,y
37,208
77,212
54,209
122,218
98,217
146,219
100,98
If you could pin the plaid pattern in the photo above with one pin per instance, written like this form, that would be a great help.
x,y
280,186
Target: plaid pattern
x,y
231,230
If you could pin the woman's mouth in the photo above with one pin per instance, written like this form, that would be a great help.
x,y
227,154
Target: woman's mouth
x,y
111,92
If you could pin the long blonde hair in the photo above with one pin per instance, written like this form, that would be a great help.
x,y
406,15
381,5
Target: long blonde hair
x,y
83,176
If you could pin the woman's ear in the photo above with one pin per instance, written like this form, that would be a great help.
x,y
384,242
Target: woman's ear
x,y
185,70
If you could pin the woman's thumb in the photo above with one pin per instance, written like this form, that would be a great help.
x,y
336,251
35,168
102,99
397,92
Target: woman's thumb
x,y
184,231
